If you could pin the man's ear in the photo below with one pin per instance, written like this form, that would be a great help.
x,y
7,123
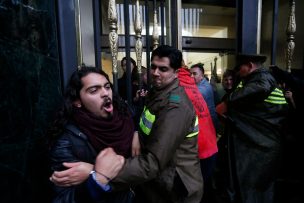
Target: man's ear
x,y
252,66
77,103
176,73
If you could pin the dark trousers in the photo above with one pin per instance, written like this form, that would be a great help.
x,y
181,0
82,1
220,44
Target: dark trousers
x,y
207,168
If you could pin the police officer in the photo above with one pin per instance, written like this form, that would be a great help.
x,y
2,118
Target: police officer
x,y
256,109
168,169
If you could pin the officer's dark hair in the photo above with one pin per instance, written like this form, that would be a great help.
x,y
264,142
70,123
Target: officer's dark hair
x,y
200,66
175,56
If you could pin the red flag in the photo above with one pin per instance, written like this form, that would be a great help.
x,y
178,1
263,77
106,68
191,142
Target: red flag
x,y
207,145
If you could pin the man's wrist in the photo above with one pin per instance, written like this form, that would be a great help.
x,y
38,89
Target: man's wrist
x,y
103,177
100,180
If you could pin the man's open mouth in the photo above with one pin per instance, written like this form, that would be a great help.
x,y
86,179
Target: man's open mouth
x,y
108,106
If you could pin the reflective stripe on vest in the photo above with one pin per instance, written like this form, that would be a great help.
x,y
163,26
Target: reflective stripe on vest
x,y
240,85
276,97
194,132
147,119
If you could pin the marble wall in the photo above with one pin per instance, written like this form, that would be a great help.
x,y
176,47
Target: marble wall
x,y
30,90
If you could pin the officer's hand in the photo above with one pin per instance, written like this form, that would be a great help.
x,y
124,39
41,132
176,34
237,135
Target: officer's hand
x,y
109,164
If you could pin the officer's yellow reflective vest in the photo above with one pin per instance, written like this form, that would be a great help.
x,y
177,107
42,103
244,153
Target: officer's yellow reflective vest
x,y
147,119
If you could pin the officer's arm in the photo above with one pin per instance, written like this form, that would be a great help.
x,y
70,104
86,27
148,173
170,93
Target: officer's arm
x,y
253,91
168,131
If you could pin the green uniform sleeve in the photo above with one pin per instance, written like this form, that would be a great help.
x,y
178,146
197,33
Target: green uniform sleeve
x,y
170,128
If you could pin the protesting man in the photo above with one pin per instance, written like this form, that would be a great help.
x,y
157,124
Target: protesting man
x,y
168,169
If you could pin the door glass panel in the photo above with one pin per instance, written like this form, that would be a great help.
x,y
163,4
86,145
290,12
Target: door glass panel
x,y
132,11
223,61
200,20
208,59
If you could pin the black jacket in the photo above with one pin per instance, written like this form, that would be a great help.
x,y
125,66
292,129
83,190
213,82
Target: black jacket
x,y
73,146
254,133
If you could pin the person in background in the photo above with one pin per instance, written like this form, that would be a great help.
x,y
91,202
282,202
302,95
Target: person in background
x,y
289,97
197,72
122,82
142,93
91,119
139,99
215,82
222,166
256,110
228,82
168,168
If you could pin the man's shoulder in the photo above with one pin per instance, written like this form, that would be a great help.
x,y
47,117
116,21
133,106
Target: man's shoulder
x,y
205,87
204,82
174,98
179,90
73,132
263,75
178,97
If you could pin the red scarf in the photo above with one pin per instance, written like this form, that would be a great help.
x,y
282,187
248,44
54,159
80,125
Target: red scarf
x,y
207,145
116,132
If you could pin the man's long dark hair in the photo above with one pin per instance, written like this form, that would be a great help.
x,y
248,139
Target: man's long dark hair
x,y
134,73
72,93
